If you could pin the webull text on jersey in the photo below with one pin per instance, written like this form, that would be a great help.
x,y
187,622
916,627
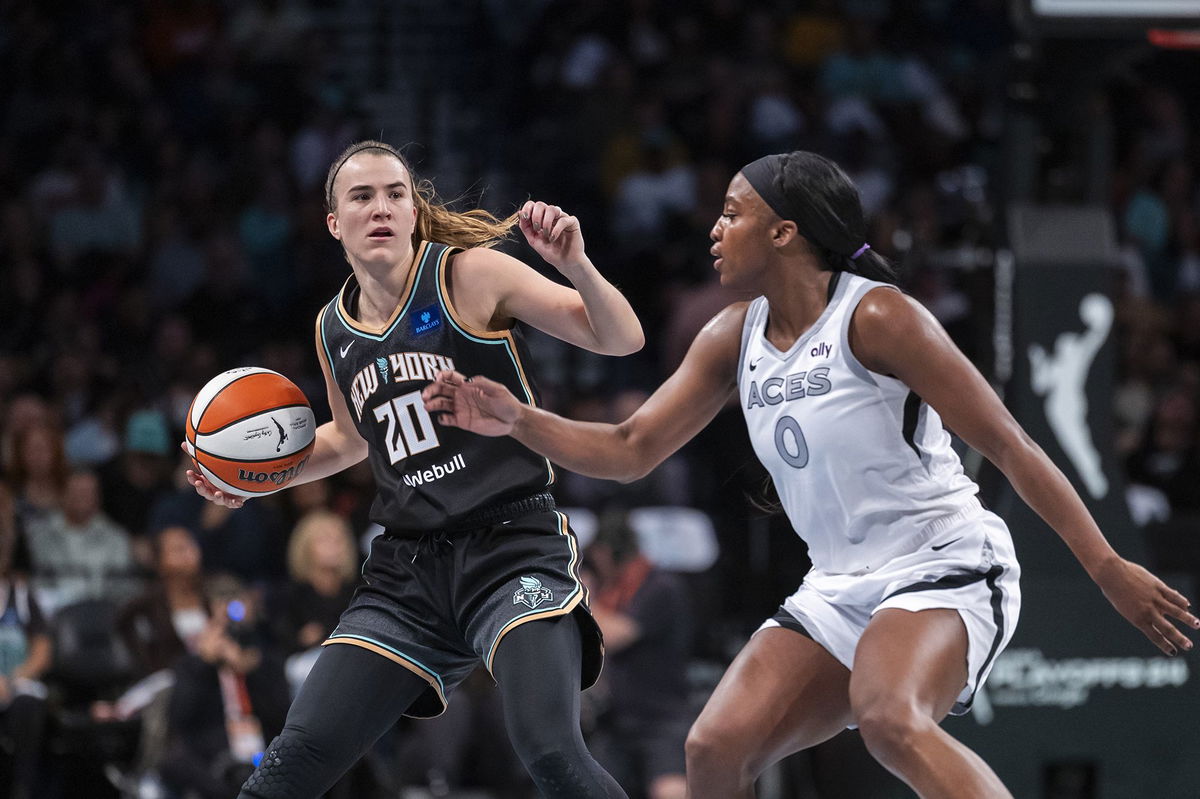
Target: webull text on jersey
x,y
436,472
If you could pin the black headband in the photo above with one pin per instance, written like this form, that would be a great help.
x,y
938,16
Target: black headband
x,y
761,175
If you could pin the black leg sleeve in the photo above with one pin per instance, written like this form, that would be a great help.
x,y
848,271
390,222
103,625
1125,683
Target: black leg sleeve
x,y
351,697
537,667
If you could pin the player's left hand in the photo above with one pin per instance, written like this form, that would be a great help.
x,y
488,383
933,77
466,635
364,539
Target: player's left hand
x,y
1148,604
552,233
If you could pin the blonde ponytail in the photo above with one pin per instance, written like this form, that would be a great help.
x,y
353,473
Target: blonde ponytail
x,y
474,228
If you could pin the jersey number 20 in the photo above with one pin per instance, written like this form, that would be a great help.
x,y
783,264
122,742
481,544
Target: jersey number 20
x,y
409,428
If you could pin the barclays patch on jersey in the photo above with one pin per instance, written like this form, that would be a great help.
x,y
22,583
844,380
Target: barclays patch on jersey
x,y
425,320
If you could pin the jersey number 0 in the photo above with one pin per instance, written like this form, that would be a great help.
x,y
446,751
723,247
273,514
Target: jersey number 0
x,y
795,452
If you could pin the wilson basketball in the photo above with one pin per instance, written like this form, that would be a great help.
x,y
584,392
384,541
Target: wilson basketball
x,y
250,431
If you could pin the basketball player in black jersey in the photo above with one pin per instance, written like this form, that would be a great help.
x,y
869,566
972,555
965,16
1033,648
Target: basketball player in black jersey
x,y
476,565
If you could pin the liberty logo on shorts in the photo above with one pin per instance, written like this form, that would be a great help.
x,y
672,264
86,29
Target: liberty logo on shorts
x,y
531,593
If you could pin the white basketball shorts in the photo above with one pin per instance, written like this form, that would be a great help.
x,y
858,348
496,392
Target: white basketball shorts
x,y
970,566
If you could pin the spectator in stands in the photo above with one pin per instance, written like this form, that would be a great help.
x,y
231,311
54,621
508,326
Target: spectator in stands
x,y
323,566
248,543
230,697
164,622
38,470
160,627
24,656
139,475
1168,458
79,553
650,197
645,615
304,499
100,216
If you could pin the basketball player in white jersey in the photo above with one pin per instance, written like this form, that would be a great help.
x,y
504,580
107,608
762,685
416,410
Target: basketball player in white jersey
x,y
844,382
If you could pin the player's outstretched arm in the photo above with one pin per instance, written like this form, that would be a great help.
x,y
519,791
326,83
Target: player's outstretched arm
x,y
591,313
679,409
892,334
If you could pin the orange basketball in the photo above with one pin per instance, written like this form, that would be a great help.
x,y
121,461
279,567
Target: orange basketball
x,y
250,431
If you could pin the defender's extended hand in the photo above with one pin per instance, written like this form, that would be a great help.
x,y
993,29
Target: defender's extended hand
x,y
476,404
1147,603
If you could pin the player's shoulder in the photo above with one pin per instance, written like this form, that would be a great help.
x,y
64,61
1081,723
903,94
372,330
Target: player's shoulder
x,y
478,278
722,334
730,318
888,327
484,268
483,258
886,309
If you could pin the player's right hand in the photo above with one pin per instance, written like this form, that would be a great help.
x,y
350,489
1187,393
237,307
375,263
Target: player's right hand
x,y
1148,604
476,404
210,491
552,233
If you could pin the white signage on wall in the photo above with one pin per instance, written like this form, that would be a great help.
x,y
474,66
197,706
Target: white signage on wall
x,y
1027,678
1061,377
1121,9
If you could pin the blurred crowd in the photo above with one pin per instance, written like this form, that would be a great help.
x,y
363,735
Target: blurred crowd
x,y
161,221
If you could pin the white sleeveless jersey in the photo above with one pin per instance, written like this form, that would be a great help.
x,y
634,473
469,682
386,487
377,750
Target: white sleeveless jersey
x,y
863,467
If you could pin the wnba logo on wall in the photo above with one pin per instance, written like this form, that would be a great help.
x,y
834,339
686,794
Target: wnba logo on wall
x,y
532,593
1027,678
1061,375
278,478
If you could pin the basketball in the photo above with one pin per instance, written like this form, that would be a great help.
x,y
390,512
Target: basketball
x,y
250,431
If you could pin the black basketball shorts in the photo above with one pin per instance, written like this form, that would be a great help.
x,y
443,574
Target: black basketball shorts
x,y
441,604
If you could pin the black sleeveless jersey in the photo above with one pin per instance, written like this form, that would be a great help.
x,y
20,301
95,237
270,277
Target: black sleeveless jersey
x,y
428,476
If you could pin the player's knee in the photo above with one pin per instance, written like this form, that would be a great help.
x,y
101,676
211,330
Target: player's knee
x,y
569,772
716,746
556,773
287,770
890,726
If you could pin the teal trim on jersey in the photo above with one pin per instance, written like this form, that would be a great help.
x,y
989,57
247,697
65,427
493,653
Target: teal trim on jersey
x,y
325,344
403,311
397,653
573,567
507,347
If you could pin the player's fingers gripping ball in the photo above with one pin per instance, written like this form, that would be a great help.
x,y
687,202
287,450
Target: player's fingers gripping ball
x,y
250,431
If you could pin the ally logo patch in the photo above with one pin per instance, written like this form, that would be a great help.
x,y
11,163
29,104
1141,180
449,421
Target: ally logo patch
x,y
426,320
532,593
